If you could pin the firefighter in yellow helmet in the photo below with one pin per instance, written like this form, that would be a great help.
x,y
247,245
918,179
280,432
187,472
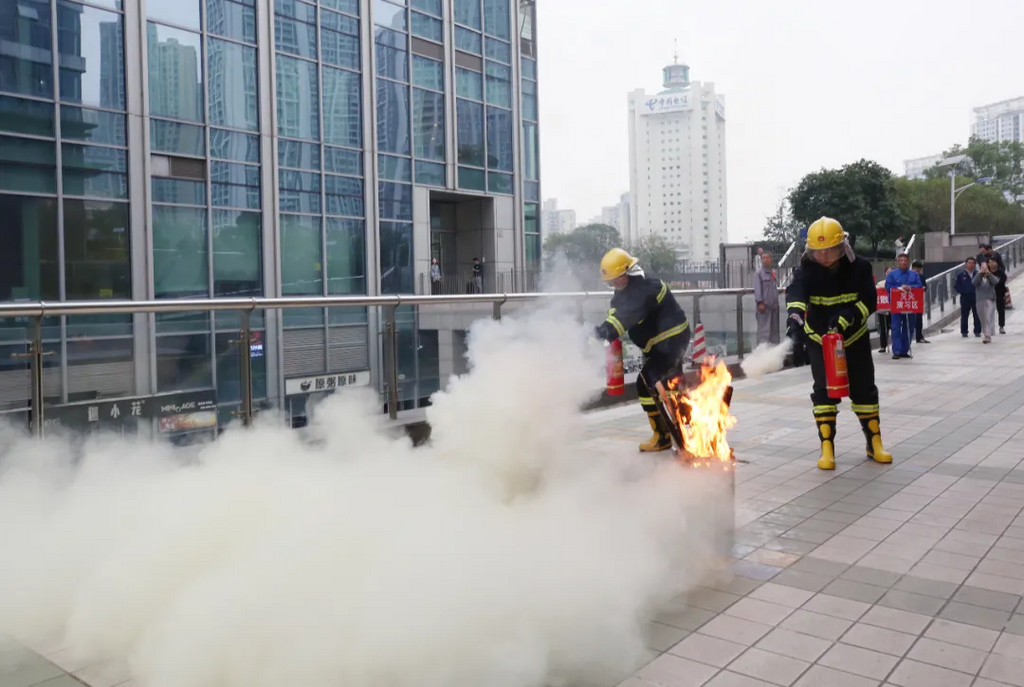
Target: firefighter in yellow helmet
x,y
833,289
645,309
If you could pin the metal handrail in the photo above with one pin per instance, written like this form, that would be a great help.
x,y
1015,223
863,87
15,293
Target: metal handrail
x,y
246,306
1013,254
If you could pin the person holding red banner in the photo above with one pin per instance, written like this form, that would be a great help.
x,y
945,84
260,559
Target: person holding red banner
x,y
902,279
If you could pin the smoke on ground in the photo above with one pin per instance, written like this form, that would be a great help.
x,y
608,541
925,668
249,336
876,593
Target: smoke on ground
x,y
511,551
766,359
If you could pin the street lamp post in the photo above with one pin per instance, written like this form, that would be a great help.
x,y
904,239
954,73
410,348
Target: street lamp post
x,y
955,192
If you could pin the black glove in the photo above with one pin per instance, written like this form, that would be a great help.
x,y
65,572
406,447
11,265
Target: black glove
x,y
795,328
846,315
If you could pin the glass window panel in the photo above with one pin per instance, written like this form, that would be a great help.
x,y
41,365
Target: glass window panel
x,y
178,191
181,266
237,254
93,125
94,171
392,56
235,185
343,161
90,43
427,73
531,191
530,100
531,218
499,139
396,256
469,84
428,124
529,68
497,20
28,165
395,168
338,48
229,380
29,262
468,12
344,196
349,6
430,6
179,12
232,145
343,124
346,315
174,63
530,151
298,154
182,322
175,138
295,37
18,116
472,179
468,41
234,97
470,132
430,173
393,118
231,20
183,362
499,86
298,99
395,201
533,249
346,256
426,27
499,183
499,50
96,250
389,15
301,261
299,191
27,65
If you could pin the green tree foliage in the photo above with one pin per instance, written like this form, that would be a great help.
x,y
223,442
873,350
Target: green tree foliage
x,y
782,228
1004,161
981,208
583,246
861,195
656,254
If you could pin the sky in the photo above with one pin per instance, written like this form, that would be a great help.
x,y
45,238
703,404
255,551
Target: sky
x,y
807,84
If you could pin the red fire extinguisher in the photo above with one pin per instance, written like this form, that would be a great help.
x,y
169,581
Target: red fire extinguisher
x,y
836,379
613,366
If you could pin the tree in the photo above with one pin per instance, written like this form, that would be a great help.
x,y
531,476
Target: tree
x,y
981,208
656,255
1003,161
584,245
782,228
862,196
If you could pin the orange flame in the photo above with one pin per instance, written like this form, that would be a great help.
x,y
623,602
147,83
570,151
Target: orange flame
x,y
702,415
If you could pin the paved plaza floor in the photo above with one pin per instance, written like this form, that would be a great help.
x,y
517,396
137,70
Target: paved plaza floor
x,y
908,575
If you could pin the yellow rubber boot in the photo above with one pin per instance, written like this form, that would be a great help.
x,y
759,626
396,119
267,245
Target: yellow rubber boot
x,y
873,433
660,440
826,434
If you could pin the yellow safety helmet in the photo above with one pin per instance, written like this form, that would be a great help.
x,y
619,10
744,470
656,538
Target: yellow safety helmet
x,y
825,233
616,263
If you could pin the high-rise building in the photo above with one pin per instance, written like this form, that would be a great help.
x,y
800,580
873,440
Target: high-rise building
x,y
618,216
557,221
1002,121
236,148
677,177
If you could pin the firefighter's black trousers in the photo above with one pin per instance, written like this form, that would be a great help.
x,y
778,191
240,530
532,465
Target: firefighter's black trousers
x,y
659,368
860,368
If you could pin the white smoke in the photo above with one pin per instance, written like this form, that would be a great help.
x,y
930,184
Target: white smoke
x,y
503,553
766,359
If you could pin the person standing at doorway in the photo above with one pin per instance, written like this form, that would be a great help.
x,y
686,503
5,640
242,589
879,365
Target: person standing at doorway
x,y
766,296
435,277
478,276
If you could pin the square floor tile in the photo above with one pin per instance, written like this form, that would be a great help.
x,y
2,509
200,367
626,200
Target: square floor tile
x,y
915,674
707,649
895,619
822,676
970,636
730,679
735,630
781,594
947,655
764,665
976,596
660,637
1007,669
794,644
759,611
672,671
856,591
913,603
836,606
859,661
816,624
879,639
975,615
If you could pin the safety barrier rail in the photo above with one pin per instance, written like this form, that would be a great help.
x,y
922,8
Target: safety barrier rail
x,y
245,307
940,289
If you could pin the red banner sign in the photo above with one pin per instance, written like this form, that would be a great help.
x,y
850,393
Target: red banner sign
x,y
883,300
904,303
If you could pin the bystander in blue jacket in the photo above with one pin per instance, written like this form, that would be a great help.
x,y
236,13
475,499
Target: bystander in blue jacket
x,y
964,286
902,325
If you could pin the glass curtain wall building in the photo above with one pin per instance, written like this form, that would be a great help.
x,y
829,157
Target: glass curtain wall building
x,y
168,149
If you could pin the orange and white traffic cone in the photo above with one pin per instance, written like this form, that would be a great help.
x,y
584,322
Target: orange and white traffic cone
x,y
699,347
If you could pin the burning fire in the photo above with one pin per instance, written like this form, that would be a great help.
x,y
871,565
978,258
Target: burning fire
x,y
702,415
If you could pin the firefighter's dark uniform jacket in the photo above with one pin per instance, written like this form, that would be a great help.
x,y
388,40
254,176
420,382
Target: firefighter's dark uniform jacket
x,y
648,312
841,297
